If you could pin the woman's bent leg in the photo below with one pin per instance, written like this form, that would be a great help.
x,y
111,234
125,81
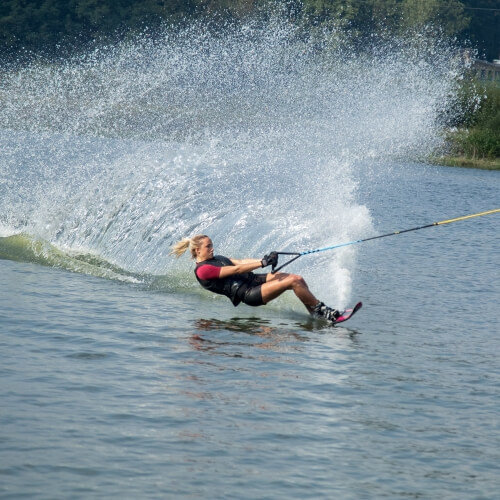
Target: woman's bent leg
x,y
278,283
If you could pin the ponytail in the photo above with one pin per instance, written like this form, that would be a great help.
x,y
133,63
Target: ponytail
x,y
180,247
192,243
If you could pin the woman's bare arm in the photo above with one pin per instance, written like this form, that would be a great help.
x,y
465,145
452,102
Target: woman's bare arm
x,y
245,261
240,266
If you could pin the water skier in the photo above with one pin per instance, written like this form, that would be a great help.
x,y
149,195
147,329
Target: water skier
x,y
234,278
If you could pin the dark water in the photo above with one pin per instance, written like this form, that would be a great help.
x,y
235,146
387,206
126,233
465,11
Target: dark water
x,y
112,389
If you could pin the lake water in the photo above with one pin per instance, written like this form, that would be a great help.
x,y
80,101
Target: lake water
x,y
121,377
112,389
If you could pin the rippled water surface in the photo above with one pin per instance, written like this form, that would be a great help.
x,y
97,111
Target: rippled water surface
x,y
121,378
110,389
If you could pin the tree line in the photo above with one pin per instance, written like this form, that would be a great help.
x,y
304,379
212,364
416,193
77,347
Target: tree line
x,y
55,26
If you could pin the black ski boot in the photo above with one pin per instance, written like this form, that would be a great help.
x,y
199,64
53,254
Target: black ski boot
x,y
326,312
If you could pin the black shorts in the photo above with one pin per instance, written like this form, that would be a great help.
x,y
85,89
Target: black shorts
x,y
251,293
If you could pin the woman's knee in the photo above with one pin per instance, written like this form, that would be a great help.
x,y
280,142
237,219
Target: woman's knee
x,y
290,281
297,280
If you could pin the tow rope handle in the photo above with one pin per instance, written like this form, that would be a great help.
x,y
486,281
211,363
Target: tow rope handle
x,y
296,254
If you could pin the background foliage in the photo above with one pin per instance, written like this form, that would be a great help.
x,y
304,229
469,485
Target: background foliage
x,y
58,27
478,136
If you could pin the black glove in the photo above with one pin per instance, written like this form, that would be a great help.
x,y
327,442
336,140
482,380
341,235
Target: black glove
x,y
270,260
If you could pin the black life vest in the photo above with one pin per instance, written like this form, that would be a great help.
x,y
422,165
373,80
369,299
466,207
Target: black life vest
x,y
224,286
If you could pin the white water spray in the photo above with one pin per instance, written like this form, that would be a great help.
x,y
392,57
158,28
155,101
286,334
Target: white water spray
x,y
253,135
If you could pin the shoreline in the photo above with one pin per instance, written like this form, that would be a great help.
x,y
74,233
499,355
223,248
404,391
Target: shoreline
x,y
464,162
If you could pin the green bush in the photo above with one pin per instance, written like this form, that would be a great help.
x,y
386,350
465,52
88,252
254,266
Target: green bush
x,y
490,106
482,139
482,143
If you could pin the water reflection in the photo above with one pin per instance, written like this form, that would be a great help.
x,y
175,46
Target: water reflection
x,y
259,333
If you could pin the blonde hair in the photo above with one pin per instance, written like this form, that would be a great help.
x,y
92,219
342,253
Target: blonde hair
x,y
192,243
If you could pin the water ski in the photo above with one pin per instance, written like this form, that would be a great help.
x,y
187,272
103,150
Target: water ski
x,y
348,313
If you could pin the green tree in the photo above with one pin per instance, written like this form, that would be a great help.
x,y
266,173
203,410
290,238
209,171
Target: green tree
x,y
39,25
447,14
484,28
47,24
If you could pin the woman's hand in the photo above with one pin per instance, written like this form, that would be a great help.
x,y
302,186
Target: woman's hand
x,y
270,260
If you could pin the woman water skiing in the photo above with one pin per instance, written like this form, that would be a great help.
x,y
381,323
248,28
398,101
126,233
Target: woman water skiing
x,y
234,278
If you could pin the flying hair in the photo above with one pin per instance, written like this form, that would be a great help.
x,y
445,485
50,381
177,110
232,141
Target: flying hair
x,y
192,243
